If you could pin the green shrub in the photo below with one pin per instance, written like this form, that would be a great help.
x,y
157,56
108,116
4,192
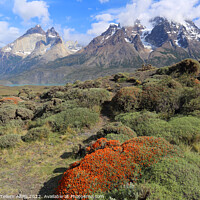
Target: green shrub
x,y
179,129
120,137
88,97
24,113
51,107
190,100
128,192
192,157
146,124
89,84
162,97
127,99
192,106
7,141
173,178
185,129
36,134
187,66
116,128
7,112
120,77
75,118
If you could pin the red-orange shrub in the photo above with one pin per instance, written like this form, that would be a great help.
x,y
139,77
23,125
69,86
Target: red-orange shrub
x,y
15,100
112,165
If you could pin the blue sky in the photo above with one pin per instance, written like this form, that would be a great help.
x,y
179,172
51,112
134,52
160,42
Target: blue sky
x,y
83,20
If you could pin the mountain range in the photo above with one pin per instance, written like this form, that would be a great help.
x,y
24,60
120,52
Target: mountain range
x,y
40,57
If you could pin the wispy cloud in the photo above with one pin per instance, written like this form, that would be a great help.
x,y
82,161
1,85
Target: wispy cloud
x,y
103,1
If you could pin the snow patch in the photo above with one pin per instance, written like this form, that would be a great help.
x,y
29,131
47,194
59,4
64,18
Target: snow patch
x,y
7,49
52,36
127,40
146,44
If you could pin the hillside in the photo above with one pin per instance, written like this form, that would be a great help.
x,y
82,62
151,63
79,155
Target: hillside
x,y
128,135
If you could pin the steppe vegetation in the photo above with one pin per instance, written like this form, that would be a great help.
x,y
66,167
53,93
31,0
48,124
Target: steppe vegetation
x,y
126,136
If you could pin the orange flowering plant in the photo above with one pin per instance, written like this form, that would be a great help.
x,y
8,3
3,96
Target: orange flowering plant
x,y
109,164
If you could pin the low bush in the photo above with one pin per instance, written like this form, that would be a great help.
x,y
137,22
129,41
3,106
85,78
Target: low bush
x,y
183,129
34,134
7,141
53,107
120,77
162,97
129,192
173,178
89,84
24,113
190,100
146,124
109,165
88,97
117,129
120,137
127,99
7,112
75,118
187,66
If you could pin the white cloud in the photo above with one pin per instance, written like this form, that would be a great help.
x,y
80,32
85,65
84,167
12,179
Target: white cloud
x,y
104,17
98,28
7,33
28,10
137,9
103,22
103,1
145,10
71,34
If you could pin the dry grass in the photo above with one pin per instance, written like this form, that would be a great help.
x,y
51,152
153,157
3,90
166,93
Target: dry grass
x,y
28,166
12,91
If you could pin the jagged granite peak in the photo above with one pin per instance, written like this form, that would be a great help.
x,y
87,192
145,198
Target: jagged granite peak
x,y
111,30
53,37
35,46
137,43
36,29
163,31
52,32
